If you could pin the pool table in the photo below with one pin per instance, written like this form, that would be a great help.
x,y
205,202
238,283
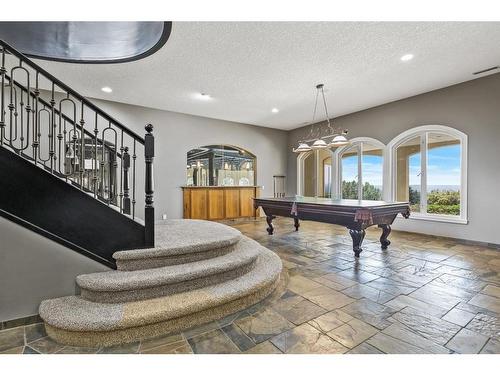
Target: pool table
x,y
355,215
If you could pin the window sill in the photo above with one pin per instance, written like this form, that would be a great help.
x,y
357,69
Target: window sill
x,y
438,218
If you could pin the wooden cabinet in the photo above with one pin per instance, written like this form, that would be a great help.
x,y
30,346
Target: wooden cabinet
x,y
232,203
215,204
246,202
219,202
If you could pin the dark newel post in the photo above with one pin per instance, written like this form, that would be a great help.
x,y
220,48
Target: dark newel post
x,y
126,187
149,211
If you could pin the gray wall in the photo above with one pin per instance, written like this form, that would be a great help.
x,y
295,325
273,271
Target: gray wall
x,y
472,107
34,268
176,133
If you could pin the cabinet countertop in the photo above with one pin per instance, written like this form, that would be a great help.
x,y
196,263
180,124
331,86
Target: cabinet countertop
x,y
220,187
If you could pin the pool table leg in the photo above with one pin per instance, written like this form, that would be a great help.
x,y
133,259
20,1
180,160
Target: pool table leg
x,y
296,223
357,239
269,220
386,230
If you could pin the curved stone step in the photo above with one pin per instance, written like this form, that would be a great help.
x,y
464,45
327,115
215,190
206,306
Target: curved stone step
x,y
180,241
125,286
75,321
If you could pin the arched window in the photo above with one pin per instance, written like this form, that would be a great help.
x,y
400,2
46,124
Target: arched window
x,y
429,169
314,169
360,170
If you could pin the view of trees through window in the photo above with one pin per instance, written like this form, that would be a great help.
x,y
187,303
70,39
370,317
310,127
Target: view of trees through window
x,y
370,159
350,174
409,172
441,173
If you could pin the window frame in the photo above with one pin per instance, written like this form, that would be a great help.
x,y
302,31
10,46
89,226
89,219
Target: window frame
x,y
358,144
318,165
423,132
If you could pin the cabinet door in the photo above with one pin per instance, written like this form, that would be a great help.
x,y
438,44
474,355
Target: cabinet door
x,y
199,209
186,197
246,202
232,203
215,204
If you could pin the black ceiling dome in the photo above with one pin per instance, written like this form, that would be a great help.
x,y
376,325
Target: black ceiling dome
x,y
86,42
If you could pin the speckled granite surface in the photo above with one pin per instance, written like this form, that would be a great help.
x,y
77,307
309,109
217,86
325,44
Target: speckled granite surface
x,y
76,314
123,306
115,337
174,237
245,252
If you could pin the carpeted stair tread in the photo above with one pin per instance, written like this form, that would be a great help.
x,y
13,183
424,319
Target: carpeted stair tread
x,y
76,314
244,253
173,237
180,242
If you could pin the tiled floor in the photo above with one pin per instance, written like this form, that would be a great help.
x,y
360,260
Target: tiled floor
x,y
422,295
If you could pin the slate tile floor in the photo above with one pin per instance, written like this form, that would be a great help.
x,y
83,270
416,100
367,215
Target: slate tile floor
x,y
422,295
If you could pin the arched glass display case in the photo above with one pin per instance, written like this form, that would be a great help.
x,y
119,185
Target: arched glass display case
x,y
220,165
220,183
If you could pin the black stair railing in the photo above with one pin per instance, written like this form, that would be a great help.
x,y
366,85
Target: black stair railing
x,y
46,121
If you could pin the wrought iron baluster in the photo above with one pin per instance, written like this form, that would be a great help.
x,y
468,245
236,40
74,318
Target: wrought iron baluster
x,y
121,172
112,163
69,138
3,71
82,147
12,111
12,106
94,166
126,188
39,134
23,107
134,157
51,137
36,119
61,135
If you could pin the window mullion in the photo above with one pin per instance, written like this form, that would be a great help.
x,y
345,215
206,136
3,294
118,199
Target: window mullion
x,y
360,176
423,173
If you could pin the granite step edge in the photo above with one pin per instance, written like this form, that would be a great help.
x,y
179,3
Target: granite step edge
x,y
76,314
245,252
167,327
154,283
113,297
184,236
148,263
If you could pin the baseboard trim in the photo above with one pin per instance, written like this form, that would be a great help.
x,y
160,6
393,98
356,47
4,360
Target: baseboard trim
x,y
27,320
462,241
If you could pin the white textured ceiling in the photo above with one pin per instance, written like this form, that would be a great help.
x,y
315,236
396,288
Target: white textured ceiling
x,y
251,67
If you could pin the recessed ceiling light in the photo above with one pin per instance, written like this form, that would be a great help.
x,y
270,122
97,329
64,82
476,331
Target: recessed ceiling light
x,y
275,110
203,96
107,89
407,57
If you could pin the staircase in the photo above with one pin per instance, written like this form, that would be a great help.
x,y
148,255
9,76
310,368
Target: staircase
x,y
68,170
198,272
72,173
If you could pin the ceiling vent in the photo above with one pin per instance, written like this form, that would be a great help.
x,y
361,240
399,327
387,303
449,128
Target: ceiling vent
x,y
486,70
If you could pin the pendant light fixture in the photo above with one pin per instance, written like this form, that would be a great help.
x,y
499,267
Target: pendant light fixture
x,y
303,147
319,142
